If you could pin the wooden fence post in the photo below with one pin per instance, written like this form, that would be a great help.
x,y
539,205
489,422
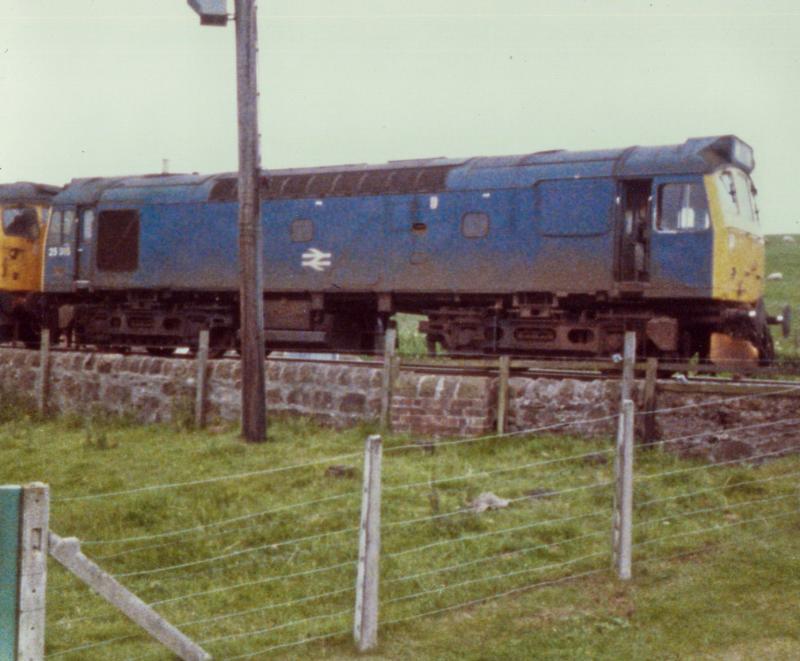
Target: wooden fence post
x,y
628,365
43,377
502,393
24,514
649,401
202,374
365,624
623,501
387,385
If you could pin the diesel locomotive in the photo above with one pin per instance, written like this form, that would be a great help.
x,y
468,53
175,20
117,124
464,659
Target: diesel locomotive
x,y
554,252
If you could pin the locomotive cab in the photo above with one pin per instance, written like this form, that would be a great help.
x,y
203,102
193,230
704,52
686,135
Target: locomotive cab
x,y
24,208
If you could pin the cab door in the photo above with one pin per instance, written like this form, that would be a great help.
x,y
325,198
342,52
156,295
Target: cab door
x,y
59,269
83,267
682,239
633,204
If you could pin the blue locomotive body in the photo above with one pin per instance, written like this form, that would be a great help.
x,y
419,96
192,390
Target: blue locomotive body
x,y
548,252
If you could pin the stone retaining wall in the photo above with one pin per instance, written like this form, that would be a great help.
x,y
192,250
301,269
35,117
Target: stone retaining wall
x,y
160,390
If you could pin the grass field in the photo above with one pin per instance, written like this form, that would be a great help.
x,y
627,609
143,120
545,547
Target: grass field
x,y
731,592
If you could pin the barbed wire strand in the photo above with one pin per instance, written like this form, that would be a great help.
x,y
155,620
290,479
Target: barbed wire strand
x,y
499,595
504,469
283,604
510,434
679,471
518,499
689,533
233,554
723,400
88,646
260,581
250,634
498,556
469,538
725,430
219,533
294,643
214,524
208,480
731,485
498,577
706,510
277,627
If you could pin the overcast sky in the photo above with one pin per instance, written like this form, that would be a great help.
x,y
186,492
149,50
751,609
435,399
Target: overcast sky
x,y
104,87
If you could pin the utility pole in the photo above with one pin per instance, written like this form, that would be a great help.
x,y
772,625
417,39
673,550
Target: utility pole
x,y
251,247
251,273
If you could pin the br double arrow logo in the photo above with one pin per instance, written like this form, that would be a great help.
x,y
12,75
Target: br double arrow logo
x,y
314,258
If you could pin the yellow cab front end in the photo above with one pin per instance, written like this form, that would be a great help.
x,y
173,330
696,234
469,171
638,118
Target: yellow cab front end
x,y
738,269
24,210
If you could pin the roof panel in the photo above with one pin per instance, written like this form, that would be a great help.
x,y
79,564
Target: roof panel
x,y
27,191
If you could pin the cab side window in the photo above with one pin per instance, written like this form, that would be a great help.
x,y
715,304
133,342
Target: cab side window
x,y
736,194
682,207
21,222
54,229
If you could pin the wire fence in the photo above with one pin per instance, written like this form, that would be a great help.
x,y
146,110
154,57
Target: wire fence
x,y
481,527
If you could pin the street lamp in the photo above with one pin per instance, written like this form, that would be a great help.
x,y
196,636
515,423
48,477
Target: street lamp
x,y
251,302
212,12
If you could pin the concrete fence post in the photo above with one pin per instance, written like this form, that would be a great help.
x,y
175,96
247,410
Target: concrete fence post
x,y
365,624
43,377
201,381
24,514
68,553
387,384
620,552
623,501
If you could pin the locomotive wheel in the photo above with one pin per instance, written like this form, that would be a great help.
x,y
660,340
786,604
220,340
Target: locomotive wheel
x,y
762,336
765,346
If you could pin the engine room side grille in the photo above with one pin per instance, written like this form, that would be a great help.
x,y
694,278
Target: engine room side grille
x,y
377,181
